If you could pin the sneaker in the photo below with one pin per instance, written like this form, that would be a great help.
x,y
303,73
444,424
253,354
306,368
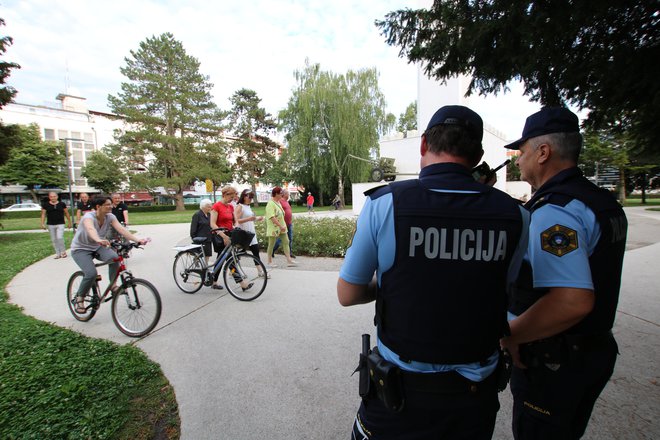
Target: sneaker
x,y
217,287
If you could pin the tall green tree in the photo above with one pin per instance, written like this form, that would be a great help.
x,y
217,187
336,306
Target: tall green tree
x,y
328,117
172,123
408,119
104,172
603,148
33,162
7,93
252,148
593,54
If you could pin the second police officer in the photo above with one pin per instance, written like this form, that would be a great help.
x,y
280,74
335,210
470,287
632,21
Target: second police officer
x,y
564,303
436,254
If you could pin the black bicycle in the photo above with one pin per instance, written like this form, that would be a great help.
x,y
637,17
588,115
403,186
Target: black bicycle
x,y
244,275
136,304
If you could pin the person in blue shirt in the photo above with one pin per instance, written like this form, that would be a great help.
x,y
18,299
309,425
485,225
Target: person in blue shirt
x,y
563,305
436,254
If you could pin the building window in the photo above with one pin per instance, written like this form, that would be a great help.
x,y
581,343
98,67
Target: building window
x,y
49,134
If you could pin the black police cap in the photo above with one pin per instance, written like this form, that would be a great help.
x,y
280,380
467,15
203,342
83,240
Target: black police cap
x,y
546,121
459,115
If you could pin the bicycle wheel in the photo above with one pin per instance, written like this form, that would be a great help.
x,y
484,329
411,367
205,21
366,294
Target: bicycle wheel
x,y
89,300
136,307
189,271
245,277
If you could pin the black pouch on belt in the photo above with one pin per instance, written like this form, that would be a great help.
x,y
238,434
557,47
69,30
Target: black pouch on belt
x,y
386,381
544,351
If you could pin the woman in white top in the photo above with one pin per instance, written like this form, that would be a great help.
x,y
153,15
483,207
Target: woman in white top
x,y
245,218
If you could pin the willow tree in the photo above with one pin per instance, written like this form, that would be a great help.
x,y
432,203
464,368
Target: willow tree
x,y
172,123
330,117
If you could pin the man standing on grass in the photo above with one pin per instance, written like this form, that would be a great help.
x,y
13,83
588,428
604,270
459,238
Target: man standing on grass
x,y
310,203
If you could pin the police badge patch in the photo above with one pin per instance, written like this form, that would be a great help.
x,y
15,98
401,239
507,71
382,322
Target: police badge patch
x,y
559,240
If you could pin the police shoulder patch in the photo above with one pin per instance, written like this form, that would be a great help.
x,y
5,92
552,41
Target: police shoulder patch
x,y
559,240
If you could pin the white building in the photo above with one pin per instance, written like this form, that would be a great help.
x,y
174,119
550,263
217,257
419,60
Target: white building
x,y
431,95
84,130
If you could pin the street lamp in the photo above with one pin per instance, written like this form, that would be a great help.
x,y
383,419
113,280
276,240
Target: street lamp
x,y
69,168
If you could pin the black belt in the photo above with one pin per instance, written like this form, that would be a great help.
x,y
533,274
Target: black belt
x,y
450,382
587,342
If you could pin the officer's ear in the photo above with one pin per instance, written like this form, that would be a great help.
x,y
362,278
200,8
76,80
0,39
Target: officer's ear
x,y
423,147
543,153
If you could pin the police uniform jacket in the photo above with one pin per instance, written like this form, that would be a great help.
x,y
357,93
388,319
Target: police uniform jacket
x,y
443,298
574,223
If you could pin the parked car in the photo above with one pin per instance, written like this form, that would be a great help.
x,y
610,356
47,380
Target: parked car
x,y
22,207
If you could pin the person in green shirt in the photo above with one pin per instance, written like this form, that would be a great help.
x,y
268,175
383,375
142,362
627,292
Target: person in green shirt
x,y
276,227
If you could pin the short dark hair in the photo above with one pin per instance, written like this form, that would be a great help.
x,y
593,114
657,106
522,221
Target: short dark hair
x,y
455,140
244,194
277,190
100,200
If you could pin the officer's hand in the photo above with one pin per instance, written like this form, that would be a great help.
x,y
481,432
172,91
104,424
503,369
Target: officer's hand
x,y
513,349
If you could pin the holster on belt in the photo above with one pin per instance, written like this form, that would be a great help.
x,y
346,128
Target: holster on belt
x,y
385,381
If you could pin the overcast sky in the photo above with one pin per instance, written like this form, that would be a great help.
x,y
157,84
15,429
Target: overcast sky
x,y
78,46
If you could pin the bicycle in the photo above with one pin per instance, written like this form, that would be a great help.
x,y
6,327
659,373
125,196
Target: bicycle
x,y
244,275
136,304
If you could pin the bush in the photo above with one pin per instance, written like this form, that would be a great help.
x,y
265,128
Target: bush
x,y
322,237
20,214
160,208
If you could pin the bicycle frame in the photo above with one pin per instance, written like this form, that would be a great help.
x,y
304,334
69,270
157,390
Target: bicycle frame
x,y
204,272
122,272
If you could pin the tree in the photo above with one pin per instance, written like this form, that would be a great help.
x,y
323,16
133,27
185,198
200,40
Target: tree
x,y
408,119
328,117
33,162
593,54
253,149
104,172
172,124
7,93
604,148
282,170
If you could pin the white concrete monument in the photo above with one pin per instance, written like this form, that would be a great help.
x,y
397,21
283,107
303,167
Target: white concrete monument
x,y
404,148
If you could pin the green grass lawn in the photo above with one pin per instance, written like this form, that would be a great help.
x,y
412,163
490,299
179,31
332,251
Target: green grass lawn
x,y
56,383
638,202
135,218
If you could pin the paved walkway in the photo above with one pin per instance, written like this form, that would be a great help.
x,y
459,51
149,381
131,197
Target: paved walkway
x,y
280,367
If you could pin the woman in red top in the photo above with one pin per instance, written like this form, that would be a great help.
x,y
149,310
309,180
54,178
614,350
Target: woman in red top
x,y
222,216
222,213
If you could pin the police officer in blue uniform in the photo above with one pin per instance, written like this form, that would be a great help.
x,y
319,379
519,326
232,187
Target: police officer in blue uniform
x,y
563,305
443,249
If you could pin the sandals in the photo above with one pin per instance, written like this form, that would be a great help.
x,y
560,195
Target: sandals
x,y
80,305
63,255
248,287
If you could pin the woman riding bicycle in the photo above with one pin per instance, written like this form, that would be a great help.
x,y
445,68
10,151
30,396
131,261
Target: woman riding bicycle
x,y
90,242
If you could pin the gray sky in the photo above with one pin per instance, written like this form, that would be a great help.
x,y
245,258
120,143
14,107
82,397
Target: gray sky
x,y
78,46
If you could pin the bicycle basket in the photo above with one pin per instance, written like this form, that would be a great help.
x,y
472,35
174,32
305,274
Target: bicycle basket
x,y
242,238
